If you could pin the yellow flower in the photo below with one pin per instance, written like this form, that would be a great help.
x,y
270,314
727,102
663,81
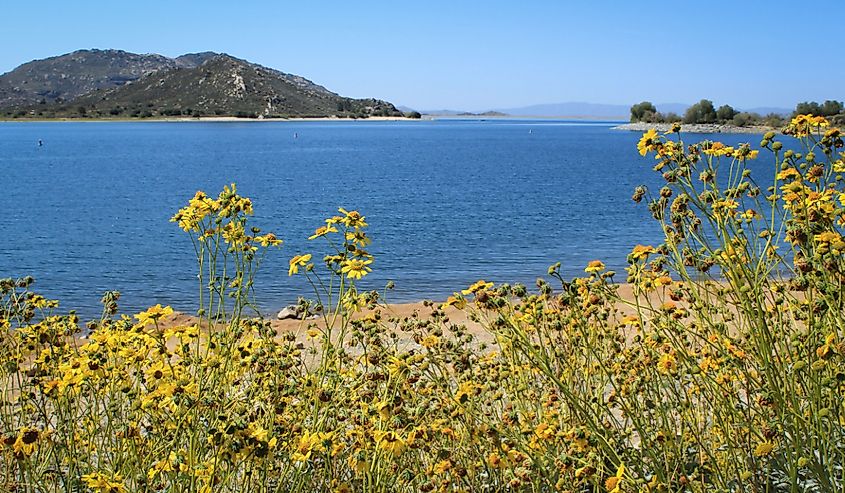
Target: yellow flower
x,y
297,262
828,348
202,204
26,441
750,214
182,331
259,433
641,252
442,466
495,461
198,209
745,153
613,483
311,442
358,238
478,286
322,231
153,314
268,240
667,364
725,208
457,301
164,465
383,409
390,442
764,449
788,173
465,391
230,204
803,125
101,483
544,431
828,237
234,233
648,142
51,386
718,149
594,266
352,219
357,464
663,281
356,268
343,488
430,341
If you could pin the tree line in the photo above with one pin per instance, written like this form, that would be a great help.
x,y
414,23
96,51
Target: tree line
x,y
705,112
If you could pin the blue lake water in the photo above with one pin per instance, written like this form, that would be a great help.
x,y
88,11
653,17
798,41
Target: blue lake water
x,y
448,201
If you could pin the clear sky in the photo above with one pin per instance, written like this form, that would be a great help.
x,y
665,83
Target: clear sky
x,y
476,55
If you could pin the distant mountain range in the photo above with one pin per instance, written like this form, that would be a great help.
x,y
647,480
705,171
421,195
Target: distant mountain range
x,y
115,83
591,110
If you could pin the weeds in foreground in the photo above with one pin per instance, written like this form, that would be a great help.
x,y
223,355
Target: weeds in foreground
x,y
721,371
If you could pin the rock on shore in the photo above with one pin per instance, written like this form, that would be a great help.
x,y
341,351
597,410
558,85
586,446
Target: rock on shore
x,y
695,128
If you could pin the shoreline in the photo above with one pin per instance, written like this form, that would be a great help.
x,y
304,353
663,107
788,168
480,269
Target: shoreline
x,y
212,119
695,128
402,311
585,118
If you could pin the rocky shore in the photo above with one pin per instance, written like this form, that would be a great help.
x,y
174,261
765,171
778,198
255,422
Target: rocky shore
x,y
695,128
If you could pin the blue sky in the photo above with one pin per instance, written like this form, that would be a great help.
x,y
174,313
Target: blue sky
x,y
476,55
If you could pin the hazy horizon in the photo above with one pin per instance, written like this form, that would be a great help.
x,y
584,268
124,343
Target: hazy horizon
x,y
471,56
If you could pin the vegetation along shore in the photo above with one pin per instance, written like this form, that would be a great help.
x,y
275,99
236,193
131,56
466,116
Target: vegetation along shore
x,y
704,117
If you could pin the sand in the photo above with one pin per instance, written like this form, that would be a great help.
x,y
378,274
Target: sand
x,y
402,311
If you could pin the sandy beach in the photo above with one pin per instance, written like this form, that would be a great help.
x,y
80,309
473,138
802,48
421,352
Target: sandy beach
x,y
394,313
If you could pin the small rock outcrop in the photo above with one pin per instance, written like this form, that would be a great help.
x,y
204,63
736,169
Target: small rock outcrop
x,y
290,311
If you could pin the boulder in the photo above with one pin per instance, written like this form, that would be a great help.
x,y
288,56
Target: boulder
x,y
287,312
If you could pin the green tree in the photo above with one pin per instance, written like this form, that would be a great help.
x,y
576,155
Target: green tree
x,y
725,113
671,117
807,108
642,112
701,112
773,120
830,108
745,119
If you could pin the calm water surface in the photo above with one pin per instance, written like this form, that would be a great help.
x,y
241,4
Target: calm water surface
x,y
448,202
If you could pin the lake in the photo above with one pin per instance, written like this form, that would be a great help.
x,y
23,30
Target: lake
x,y
448,201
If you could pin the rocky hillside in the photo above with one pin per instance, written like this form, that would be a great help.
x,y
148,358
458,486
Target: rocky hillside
x,y
110,83
66,77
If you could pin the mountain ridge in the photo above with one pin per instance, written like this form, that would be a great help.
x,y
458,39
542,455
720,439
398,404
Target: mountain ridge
x,y
116,83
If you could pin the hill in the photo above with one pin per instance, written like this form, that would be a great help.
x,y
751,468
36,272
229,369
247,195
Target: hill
x,y
66,77
112,83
